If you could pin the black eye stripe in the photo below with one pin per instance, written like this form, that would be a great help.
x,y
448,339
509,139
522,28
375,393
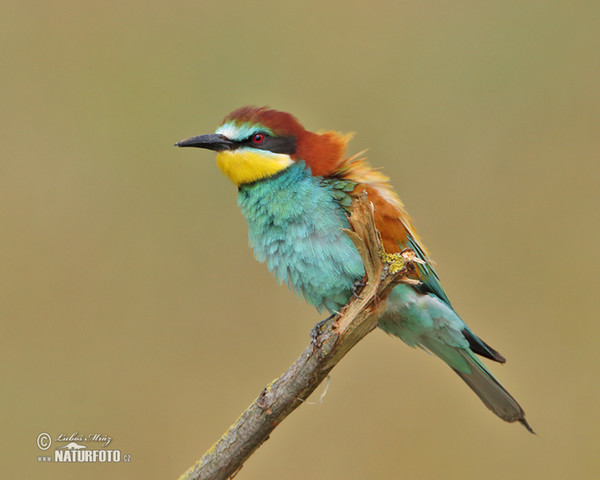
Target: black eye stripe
x,y
286,145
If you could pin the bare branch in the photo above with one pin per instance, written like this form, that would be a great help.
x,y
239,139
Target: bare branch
x,y
331,341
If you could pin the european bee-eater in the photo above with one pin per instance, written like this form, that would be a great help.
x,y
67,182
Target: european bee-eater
x,y
295,188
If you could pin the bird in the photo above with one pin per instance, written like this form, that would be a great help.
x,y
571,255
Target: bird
x,y
295,190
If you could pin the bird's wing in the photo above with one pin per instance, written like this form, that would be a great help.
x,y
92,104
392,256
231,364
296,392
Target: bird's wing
x,y
356,176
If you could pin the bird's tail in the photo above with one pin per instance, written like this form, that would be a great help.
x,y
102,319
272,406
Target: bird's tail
x,y
490,391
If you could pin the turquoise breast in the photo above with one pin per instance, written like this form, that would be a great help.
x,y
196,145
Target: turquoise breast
x,y
294,223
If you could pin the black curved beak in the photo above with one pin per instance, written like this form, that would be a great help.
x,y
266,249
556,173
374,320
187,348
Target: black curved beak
x,y
211,141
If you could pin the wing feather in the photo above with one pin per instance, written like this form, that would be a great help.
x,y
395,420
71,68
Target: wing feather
x,y
391,219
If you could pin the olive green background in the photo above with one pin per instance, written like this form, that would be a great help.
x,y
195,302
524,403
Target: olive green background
x,y
131,305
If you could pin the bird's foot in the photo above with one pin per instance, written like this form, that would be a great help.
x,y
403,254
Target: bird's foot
x,y
318,329
357,287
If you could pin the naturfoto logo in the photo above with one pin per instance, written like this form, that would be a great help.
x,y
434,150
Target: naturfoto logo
x,y
76,450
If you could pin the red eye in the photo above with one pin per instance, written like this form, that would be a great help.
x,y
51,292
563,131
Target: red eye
x,y
258,138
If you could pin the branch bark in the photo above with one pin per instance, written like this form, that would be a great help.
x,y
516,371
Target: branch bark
x,y
331,340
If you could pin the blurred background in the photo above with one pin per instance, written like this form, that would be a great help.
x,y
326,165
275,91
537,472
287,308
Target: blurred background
x,y
132,307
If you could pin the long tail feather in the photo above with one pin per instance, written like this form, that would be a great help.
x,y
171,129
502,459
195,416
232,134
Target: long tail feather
x,y
491,392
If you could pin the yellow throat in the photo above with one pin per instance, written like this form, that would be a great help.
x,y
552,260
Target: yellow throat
x,y
246,165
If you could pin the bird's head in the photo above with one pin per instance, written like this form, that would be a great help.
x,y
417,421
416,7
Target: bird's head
x,y
254,143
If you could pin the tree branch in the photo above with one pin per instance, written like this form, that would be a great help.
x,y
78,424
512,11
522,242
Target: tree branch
x,y
331,340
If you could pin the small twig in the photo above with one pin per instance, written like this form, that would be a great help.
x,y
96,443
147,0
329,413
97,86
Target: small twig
x,y
334,339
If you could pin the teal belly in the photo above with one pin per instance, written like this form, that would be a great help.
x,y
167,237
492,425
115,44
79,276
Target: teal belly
x,y
294,225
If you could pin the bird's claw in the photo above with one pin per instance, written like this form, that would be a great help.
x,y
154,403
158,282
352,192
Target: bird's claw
x,y
317,330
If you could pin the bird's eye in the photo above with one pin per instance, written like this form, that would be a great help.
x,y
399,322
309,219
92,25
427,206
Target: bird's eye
x,y
258,138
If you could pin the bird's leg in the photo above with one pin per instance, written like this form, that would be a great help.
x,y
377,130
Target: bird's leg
x,y
317,329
